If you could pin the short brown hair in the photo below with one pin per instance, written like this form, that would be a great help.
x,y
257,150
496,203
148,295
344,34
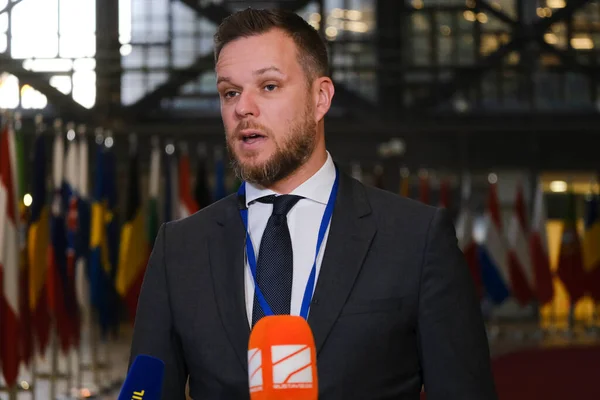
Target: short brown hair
x,y
312,50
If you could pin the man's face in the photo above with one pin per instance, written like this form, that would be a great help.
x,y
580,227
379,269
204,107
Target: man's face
x,y
267,108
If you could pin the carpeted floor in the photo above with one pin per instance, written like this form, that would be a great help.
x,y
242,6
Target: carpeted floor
x,y
562,373
549,374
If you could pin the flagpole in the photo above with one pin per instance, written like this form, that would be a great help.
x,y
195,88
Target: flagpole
x,y
12,393
94,353
70,369
34,362
79,365
54,360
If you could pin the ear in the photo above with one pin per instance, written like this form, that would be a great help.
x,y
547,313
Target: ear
x,y
323,91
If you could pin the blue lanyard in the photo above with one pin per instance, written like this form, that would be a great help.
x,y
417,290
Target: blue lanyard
x,y
310,285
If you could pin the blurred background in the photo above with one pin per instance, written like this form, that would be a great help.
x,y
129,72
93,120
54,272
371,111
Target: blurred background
x,y
111,126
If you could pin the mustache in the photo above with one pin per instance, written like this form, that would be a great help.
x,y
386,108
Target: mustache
x,y
251,125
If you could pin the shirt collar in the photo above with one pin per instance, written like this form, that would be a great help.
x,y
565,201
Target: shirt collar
x,y
317,188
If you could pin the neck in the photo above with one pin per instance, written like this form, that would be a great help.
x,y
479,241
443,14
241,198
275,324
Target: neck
x,y
302,174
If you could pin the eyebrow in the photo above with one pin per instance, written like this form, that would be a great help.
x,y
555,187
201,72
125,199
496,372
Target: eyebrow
x,y
258,72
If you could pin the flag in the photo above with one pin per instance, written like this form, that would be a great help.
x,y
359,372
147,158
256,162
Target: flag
x,y
220,186
9,259
520,267
424,187
27,347
38,242
58,287
464,234
187,204
202,192
71,202
357,172
153,196
113,237
133,253
171,204
444,193
493,253
100,268
129,281
82,243
405,182
570,261
591,246
538,244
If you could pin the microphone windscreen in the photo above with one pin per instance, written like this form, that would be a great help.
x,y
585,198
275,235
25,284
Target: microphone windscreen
x,y
282,359
144,380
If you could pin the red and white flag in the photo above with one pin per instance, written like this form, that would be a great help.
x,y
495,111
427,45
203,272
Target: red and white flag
x,y
9,259
187,204
519,259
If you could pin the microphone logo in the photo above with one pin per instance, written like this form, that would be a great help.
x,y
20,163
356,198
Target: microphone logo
x,y
138,395
255,370
292,366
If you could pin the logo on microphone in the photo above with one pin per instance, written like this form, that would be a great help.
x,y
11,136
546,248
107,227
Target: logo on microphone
x,y
138,395
291,366
255,370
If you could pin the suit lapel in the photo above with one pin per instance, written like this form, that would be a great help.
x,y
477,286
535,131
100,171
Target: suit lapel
x,y
350,235
227,265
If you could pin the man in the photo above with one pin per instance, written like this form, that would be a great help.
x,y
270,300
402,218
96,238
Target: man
x,y
394,307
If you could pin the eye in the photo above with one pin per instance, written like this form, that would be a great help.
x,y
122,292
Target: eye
x,y
270,87
229,94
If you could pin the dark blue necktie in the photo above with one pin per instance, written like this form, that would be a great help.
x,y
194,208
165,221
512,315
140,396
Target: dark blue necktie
x,y
274,267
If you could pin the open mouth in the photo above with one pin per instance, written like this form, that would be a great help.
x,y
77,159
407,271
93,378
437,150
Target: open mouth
x,y
252,137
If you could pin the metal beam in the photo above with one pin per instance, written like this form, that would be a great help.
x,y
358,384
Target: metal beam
x,y
178,78
171,87
10,6
213,12
484,5
217,13
521,35
64,104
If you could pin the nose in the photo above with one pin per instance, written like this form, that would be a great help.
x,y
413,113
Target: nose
x,y
246,105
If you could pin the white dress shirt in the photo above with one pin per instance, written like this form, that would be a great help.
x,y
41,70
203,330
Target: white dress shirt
x,y
304,220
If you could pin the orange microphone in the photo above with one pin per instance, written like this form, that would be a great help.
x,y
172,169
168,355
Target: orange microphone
x,y
282,360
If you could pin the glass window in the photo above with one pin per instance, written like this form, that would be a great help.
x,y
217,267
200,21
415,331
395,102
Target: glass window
x,y
421,50
3,42
9,91
547,89
41,42
466,49
158,57
84,88
133,87
4,22
445,47
577,89
32,99
183,51
52,36
135,59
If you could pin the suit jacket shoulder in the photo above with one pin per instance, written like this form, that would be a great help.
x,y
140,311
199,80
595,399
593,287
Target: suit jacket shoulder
x,y
402,217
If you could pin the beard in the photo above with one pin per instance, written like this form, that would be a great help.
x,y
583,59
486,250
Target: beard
x,y
299,144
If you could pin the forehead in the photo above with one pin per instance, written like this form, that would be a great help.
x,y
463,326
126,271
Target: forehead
x,y
245,55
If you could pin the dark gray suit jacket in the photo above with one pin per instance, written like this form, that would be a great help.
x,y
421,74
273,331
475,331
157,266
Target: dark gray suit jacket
x,y
394,306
